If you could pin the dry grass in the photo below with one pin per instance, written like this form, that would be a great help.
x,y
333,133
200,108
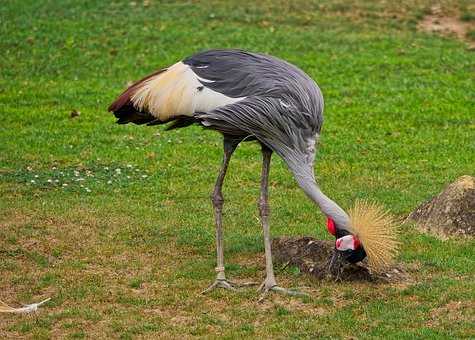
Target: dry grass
x,y
450,23
128,257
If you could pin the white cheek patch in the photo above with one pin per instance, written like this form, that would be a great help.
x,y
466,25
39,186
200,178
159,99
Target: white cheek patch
x,y
345,243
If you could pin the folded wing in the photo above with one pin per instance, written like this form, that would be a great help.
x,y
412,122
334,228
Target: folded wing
x,y
166,94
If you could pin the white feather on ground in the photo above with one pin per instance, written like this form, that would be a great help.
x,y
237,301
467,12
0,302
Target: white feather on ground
x,y
4,308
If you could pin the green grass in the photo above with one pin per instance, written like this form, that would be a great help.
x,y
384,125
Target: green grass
x,y
124,253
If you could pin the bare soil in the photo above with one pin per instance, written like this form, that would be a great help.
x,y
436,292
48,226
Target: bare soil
x,y
446,24
313,256
450,213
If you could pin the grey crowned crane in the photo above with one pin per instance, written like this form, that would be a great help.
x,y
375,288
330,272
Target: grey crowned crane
x,y
249,96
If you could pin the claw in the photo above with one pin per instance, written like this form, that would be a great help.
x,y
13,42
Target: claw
x,y
265,288
219,284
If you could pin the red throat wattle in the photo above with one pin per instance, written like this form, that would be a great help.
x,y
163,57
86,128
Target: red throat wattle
x,y
331,226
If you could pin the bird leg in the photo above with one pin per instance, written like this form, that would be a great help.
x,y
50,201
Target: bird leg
x,y
269,283
218,201
335,265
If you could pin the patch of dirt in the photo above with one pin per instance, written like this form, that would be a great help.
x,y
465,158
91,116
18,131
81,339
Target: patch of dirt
x,y
450,213
312,257
447,24
454,311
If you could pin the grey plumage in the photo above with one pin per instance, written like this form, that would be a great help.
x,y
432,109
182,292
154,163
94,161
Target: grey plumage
x,y
279,96
283,109
245,96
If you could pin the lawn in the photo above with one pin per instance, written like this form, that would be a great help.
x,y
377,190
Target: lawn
x,y
114,223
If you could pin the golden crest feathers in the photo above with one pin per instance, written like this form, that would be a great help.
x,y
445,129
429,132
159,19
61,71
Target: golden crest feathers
x,y
376,228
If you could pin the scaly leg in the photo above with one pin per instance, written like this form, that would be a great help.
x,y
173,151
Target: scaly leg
x,y
218,200
269,283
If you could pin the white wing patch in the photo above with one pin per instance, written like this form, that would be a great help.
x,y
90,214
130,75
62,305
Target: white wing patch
x,y
177,91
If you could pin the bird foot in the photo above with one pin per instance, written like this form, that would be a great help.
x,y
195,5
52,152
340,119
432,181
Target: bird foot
x,y
226,284
266,288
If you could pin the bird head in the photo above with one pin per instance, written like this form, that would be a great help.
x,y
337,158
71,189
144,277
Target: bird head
x,y
346,243
372,232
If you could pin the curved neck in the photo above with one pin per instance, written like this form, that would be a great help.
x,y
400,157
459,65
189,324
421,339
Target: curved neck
x,y
306,179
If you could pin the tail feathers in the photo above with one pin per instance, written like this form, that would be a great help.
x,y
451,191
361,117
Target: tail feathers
x,y
129,114
176,122
166,95
181,122
125,110
125,97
